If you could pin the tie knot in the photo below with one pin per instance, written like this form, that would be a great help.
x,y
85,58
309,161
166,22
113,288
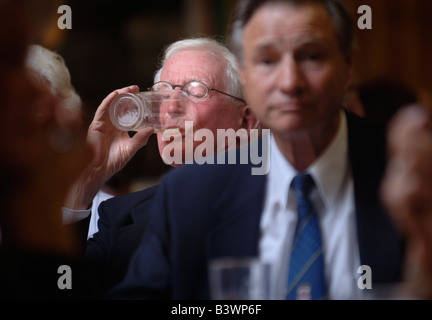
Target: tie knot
x,y
302,184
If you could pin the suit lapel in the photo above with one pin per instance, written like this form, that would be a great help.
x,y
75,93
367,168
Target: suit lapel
x,y
379,244
137,213
127,235
242,214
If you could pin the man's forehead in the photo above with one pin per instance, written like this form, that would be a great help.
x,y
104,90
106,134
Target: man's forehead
x,y
189,65
281,21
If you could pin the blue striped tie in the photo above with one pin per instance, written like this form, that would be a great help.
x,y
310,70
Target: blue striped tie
x,y
306,271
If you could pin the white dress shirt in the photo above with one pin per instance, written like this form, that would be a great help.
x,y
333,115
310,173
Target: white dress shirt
x,y
333,199
98,199
72,216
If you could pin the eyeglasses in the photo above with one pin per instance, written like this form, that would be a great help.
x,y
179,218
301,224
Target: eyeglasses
x,y
195,89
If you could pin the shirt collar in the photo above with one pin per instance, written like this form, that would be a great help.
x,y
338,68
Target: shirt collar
x,y
280,176
328,171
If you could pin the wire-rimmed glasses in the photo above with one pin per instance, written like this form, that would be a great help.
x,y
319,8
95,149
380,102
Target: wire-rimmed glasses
x,y
195,89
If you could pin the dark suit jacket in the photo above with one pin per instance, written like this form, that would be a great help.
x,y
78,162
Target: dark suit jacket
x,y
122,221
210,211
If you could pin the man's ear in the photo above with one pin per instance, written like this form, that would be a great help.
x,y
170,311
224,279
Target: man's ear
x,y
249,120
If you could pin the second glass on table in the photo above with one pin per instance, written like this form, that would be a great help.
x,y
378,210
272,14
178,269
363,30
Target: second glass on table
x,y
240,279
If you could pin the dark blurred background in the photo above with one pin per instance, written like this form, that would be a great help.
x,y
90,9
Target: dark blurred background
x,y
116,43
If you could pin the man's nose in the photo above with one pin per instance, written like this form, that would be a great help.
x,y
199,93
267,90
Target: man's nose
x,y
290,78
174,105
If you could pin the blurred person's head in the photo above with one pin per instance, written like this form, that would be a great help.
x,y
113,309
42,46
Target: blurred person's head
x,y
49,68
35,175
24,101
17,91
212,64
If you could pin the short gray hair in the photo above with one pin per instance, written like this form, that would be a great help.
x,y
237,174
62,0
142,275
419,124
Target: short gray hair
x,y
337,11
49,68
231,81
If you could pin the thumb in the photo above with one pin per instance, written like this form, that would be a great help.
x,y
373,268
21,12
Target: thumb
x,y
140,139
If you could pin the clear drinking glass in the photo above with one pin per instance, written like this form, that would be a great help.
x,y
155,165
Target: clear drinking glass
x,y
133,112
240,279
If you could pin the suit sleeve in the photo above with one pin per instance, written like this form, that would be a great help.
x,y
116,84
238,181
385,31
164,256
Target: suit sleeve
x,y
97,246
97,249
148,275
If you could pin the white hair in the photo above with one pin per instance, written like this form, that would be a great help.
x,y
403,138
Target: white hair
x,y
49,68
231,81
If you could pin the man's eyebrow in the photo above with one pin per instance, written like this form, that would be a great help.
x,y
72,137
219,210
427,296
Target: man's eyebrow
x,y
205,81
189,79
304,41
265,46
310,40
